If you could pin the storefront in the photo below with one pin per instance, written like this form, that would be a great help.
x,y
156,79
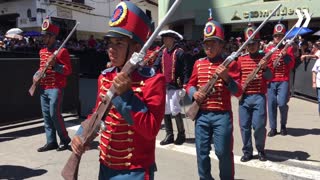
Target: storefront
x,y
234,15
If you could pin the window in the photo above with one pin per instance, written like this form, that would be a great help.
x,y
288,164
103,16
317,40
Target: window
x,y
78,1
29,13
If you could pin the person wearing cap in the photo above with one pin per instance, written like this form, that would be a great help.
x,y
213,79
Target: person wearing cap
x,y
252,106
173,63
52,88
128,151
278,87
214,122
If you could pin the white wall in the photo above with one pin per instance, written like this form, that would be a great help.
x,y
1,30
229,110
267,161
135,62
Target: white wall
x,y
96,20
20,7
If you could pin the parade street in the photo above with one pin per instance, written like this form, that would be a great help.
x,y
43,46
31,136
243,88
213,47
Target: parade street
x,y
292,157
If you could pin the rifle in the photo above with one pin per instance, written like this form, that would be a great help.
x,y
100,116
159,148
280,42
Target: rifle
x,y
92,125
42,73
207,89
153,54
289,43
253,74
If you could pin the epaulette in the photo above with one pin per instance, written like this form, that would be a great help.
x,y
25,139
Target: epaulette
x,y
104,72
146,72
201,59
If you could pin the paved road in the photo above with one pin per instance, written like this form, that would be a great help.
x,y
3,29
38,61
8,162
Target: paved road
x,y
293,157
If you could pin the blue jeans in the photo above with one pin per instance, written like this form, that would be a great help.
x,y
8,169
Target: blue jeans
x,y
214,127
253,114
318,95
51,105
107,173
278,95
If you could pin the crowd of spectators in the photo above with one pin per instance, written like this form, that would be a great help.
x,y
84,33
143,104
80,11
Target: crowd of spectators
x,y
193,48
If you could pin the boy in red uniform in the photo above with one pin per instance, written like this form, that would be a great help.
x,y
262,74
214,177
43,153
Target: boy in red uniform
x,y
51,88
128,152
252,106
214,119
278,88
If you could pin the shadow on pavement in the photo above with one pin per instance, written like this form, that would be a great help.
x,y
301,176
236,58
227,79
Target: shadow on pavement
x,y
280,156
31,131
190,140
302,132
12,172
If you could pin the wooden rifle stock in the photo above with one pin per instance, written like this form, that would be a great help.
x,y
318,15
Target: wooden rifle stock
x,y
276,62
92,125
207,89
42,74
253,74
36,82
194,108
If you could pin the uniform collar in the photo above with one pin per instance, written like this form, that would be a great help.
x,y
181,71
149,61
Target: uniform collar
x,y
215,59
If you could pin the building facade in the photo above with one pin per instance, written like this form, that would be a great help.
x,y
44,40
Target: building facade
x,y
234,15
93,15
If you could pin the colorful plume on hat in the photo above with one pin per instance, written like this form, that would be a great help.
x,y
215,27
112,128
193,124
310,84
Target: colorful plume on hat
x,y
249,31
279,29
213,29
49,28
129,20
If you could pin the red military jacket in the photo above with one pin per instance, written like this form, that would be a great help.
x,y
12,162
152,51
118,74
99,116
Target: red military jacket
x,y
220,100
123,146
56,77
248,63
282,71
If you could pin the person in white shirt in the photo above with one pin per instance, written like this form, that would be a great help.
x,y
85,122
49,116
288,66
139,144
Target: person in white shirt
x,y
316,73
315,52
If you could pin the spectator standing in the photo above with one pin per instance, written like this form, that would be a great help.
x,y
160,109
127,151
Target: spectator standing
x,y
316,74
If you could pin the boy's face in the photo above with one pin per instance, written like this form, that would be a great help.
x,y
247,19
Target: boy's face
x,y
253,47
277,38
48,39
168,41
213,47
117,50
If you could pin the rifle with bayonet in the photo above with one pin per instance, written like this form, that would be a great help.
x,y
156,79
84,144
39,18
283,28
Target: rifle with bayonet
x,y
38,76
207,88
266,57
91,126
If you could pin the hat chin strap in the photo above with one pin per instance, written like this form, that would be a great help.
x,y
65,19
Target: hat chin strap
x,y
127,55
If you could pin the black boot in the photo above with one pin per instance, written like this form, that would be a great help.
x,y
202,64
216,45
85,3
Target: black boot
x,y
48,147
272,132
283,130
169,130
181,131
